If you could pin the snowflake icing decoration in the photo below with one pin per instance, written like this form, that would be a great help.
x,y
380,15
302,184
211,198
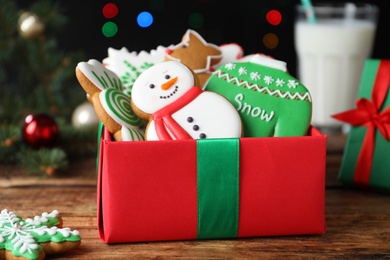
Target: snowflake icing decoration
x,y
230,66
255,75
267,79
22,237
280,82
292,84
242,71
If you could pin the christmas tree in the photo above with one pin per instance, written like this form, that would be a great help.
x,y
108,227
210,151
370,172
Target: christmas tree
x,y
38,79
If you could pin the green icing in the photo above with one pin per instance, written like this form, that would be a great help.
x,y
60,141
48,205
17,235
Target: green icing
x,y
129,77
117,105
270,101
22,237
379,177
106,81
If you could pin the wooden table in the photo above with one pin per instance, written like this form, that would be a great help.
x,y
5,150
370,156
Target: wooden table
x,y
358,222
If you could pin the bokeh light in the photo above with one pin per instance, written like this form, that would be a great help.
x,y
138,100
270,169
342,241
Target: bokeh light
x,y
144,19
196,20
109,29
270,40
156,5
110,10
274,17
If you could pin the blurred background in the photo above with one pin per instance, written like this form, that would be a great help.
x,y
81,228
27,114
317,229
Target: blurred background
x,y
42,41
264,26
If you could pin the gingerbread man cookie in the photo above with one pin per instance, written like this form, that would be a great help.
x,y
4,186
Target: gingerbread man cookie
x,y
196,53
34,238
111,103
270,101
168,97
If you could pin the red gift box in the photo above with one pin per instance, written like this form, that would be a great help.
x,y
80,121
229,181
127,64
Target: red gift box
x,y
187,189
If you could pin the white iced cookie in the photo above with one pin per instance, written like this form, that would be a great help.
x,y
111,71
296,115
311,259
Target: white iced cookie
x,y
112,106
168,97
129,65
231,52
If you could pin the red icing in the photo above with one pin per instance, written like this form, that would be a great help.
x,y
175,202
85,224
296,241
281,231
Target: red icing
x,y
163,118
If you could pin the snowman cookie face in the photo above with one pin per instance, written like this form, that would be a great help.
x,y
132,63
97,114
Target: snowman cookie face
x,y
161,85
167,96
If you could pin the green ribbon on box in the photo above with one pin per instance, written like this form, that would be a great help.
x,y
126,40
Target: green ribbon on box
x,y
218,172
99,137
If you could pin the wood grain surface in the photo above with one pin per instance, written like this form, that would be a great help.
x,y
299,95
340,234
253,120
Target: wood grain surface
x,y
358,222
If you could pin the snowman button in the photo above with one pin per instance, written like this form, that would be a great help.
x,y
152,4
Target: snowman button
x,y
190,119
202,135
195,127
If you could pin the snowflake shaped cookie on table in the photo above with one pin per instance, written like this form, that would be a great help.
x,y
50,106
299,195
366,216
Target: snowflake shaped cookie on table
x,y
34,238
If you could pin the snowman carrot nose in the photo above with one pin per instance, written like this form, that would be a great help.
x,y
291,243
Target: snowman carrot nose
x,y
168,84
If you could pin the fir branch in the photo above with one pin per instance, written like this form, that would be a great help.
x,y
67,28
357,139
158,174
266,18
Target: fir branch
x,y
51,14
10,141
78,142
45,161
34,69
8,19
11,109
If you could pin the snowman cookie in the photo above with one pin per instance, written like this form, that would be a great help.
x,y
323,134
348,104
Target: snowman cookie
x,y
167,96
111,103
269,100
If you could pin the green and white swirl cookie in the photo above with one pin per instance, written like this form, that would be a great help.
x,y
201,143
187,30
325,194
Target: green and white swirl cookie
x,y
117,106
111,103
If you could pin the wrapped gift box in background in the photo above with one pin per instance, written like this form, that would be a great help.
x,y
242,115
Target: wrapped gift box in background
x,y
211,189
366,159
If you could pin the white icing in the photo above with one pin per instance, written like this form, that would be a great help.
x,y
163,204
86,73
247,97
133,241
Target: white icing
x,y
130,134
99,75
232,52
148,99
128,65
269,62
18,232
151,134
265,89
246,108
118,108
215,116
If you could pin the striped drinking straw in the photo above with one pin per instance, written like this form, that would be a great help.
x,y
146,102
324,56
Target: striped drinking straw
x,y
309,11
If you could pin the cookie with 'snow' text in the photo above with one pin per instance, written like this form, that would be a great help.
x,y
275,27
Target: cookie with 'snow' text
x,y
269,100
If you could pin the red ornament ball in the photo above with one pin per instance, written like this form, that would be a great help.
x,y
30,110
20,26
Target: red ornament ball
x,y
39,130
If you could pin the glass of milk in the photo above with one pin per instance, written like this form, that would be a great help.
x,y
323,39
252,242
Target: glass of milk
x,y
331,48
